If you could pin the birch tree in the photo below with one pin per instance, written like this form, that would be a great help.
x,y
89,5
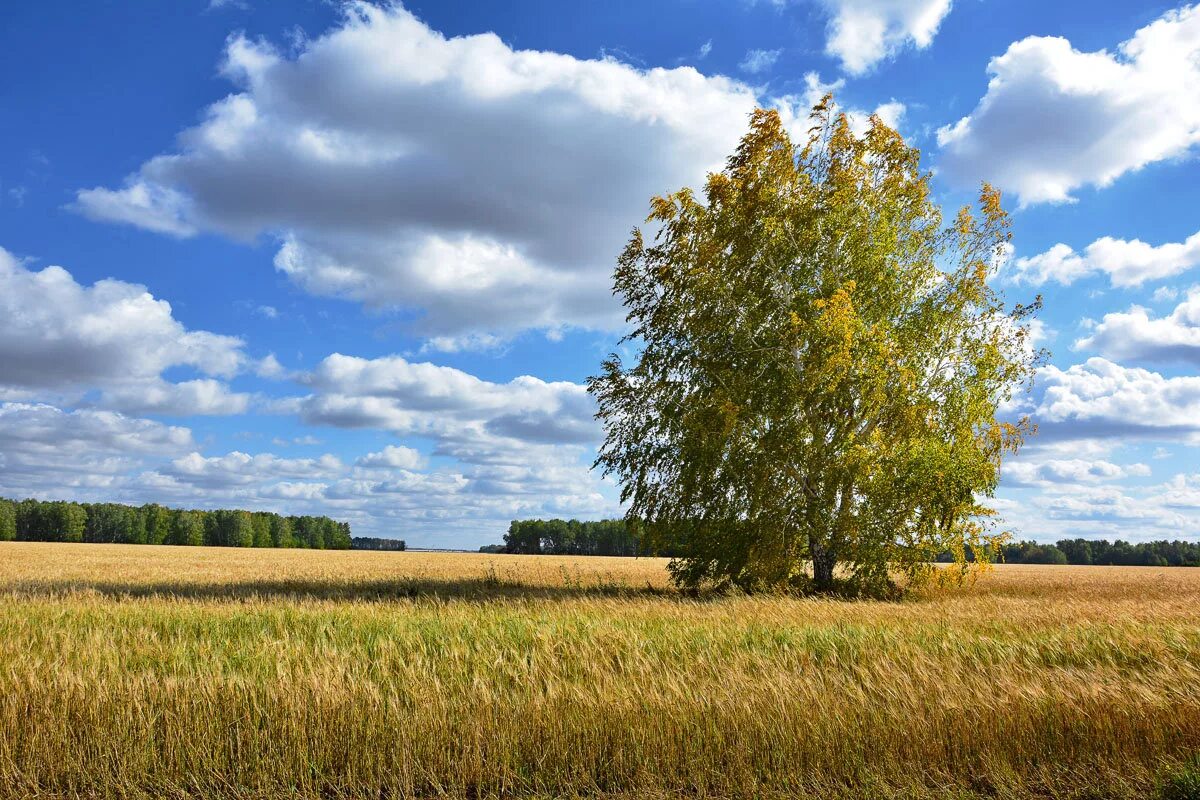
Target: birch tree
x,y
814,400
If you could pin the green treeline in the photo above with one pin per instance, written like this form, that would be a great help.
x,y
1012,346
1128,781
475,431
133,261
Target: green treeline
x,y
373,543
1101,552
609,537
614,537
60,521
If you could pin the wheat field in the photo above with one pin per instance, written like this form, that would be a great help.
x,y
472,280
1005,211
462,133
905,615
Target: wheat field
x,y
139,672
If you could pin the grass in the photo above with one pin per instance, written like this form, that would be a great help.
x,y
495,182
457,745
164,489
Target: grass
x,y
140,672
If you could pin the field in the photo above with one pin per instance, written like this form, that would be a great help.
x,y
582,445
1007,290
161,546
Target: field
x,y
130,672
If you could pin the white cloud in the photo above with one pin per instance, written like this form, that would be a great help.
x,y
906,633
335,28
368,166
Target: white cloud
x,y
147,205
239,468
57,335
1056,471
1055,119
487,188
1110,504
300,440
520,448
48,452
757,61
1182,492
1099,399
1137,335
1126,263
34,427
501,450
155,396
1100,509
862,33
392,393
392,457
269,367
1060,263
471,342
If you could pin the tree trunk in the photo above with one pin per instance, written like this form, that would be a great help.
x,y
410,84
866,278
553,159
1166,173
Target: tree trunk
x,y
823,564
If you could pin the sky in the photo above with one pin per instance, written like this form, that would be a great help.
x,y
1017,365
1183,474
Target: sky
x,y
356,259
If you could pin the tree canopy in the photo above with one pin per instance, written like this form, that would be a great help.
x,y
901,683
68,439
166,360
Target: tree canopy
x,y
62,521
819,366
607,537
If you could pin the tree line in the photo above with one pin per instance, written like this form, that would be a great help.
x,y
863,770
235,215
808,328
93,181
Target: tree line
x,y
608,537
1099,552
63,521
374,543
616,537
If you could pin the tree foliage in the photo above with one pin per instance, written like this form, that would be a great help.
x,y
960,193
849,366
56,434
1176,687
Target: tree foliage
x,y
1160,553
58,521
820,362
608,537
8,520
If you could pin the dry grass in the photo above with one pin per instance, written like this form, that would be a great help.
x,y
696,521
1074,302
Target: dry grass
x,y
154,671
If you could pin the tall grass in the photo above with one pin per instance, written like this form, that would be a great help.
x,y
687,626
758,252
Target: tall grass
x,y
146,672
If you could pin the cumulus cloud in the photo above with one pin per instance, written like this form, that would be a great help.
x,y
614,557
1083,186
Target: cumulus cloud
x,y
147,205
519,447
1095,509
1106,504
1137,334
156,396
1055,119
1100,398
1056,471
862,33
392,457
395,394
1182,492
269,367
1126,263
48,452
239,468
61,336
29,427
483,189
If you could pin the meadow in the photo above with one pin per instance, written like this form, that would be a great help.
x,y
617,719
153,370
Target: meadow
x,y
134,672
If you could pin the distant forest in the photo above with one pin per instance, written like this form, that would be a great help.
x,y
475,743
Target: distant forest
x,y
60,521
372,543
612,537
1102,553
609,537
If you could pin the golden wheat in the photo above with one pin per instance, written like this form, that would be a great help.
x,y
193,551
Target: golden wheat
x,y
132,671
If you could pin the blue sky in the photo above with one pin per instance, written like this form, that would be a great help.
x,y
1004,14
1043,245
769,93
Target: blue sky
x,y
355,259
